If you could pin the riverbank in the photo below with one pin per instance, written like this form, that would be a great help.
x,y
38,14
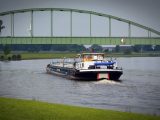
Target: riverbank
x,y
18,109
28,56
52,55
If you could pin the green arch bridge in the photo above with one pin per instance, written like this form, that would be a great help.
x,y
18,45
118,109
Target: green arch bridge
x,y
107,40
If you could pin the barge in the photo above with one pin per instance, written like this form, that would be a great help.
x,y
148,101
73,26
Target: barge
x,y
88,66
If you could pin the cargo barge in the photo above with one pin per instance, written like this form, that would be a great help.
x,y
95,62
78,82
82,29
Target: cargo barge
x,y
88,66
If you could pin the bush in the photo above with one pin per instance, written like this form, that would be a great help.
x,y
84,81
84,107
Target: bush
x,y
6,50
19,57
2,58
9,58
127,52
14,57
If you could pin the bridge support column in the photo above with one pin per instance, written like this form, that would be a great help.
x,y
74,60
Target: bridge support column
x,y
90,29
12,24
109,26
90,25
129,32
71,25
149,33
31,24
109,29
129,29
51,22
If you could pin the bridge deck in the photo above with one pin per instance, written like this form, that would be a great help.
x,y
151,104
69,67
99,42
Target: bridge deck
x,y
81,40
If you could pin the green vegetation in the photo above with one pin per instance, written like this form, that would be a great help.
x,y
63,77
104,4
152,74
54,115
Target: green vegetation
x,y
28,55
6,50
73,55
47,55
10,57
96,48
50,51
128,53
16,109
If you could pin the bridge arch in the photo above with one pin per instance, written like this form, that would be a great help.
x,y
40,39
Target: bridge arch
x,y
85,40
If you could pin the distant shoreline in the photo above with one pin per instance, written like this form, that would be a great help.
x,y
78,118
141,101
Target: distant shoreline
x,y
55,55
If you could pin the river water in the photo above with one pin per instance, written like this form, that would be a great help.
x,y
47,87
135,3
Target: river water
x,y
138,91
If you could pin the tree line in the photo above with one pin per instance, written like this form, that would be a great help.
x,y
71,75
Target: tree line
x,y
78,48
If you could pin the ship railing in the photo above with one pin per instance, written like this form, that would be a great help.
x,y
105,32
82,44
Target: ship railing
x,y
63,63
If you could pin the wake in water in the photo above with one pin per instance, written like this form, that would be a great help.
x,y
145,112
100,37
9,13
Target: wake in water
x,y
105,81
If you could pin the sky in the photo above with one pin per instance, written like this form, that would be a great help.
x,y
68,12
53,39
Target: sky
x,y
145,12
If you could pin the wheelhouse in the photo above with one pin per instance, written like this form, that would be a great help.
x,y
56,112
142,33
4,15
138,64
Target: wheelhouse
x,y
86,57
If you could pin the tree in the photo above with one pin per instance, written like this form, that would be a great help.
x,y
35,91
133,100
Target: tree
x,y
117,48
1,26
76,48
127,51
106,50
136,48
6,50
157,48
147,47
96,48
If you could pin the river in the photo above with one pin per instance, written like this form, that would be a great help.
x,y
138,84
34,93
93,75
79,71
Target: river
x,y
138,91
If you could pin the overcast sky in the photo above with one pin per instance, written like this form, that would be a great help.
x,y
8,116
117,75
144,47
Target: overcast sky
x,y
145,12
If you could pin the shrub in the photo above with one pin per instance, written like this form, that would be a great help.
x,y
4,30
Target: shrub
x,y
2,58
14,57
127,52
19,57
9,58
6,50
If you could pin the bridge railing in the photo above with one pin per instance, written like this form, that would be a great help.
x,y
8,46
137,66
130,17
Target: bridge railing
x,y
81,40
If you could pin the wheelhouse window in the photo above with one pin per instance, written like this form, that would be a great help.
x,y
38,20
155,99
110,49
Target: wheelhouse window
x,y
92,57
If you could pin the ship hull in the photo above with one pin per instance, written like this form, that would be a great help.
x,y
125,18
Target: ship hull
x,y
98,75
86,75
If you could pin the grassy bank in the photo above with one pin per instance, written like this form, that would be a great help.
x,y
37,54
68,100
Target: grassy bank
x,y
47,55
16,109
27,56
50,55
72,55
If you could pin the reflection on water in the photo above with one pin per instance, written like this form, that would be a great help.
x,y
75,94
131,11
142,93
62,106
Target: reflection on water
x,y
139,90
